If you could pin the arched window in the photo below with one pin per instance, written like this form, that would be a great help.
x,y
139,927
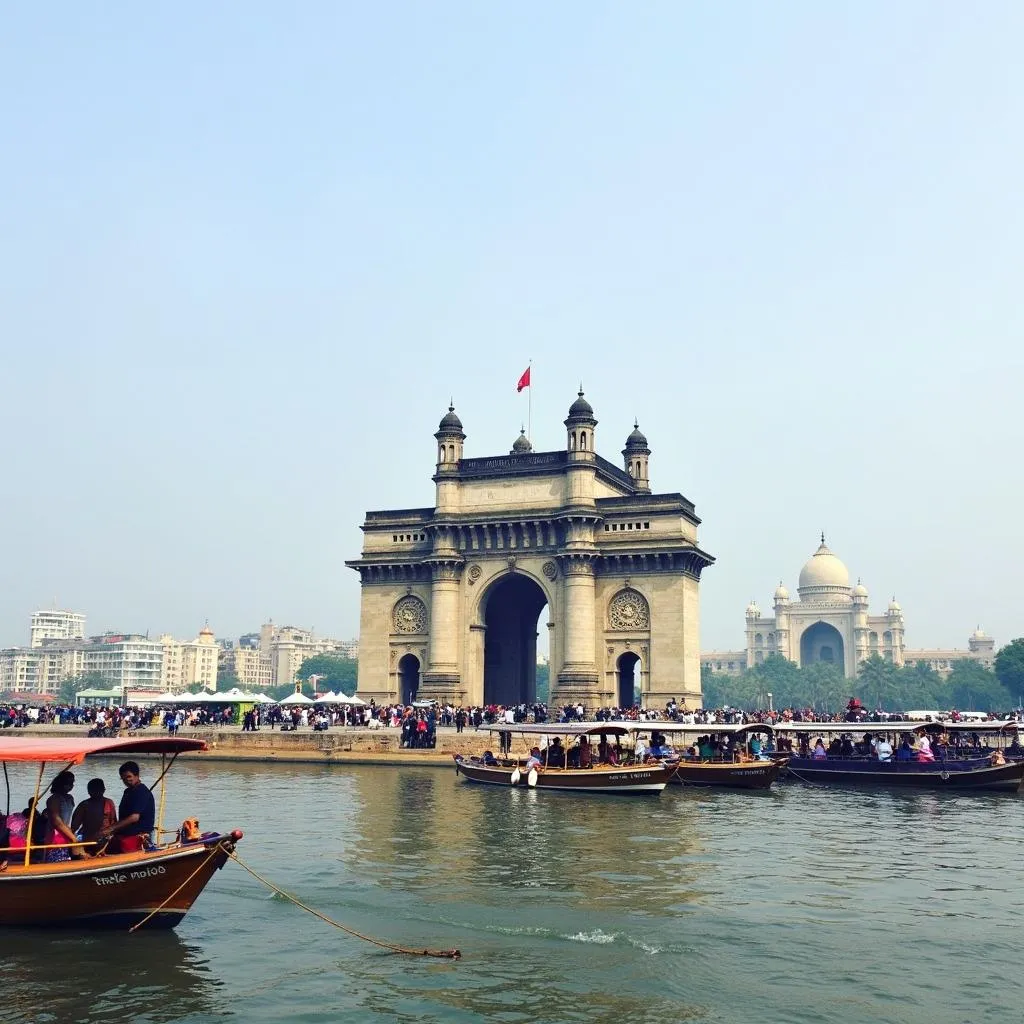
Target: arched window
x,y
631,469
441,457
873,640
451,453
759,640
572,441
583,440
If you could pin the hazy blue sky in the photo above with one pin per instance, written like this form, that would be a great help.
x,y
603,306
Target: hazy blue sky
x,y
247,251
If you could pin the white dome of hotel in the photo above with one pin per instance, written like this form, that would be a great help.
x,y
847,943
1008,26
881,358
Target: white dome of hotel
x,y
824,575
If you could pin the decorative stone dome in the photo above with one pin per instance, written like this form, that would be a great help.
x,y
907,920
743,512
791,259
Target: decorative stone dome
x,y
753,612
979,634
450,421
522,444
581,408
894,606
636,439
860,590
781,593
824,575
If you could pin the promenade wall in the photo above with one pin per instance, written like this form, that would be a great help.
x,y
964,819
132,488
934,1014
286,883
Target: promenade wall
x,y
341,746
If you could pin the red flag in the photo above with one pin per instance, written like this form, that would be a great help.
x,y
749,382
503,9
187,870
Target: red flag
x,y
524,381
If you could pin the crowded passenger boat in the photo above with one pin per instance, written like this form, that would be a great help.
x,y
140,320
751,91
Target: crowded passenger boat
x,y
923,755
739,756
94,864
578,757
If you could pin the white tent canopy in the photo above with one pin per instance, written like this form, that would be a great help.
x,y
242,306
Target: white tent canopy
x,y
297,698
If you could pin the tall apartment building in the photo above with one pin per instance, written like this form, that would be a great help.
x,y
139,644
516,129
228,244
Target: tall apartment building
x,y
189,663
287,647
126,660
51,624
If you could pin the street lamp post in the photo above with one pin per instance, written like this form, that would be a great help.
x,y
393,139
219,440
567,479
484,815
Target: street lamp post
x,y
770,708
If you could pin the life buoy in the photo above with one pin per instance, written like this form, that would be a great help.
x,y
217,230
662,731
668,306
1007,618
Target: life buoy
x,y
531,779
515,776
944,776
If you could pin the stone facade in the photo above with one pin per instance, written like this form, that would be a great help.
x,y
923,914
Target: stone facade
x,y
451,595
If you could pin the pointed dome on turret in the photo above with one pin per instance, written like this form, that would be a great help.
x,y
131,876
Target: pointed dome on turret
x,y
753,612
860,592
781,594
450,422
636,439
521,445
581,409
894,606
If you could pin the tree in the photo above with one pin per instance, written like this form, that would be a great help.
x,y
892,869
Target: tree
x,y
878,682
88,681
543,683
334,672
974,688
1010,666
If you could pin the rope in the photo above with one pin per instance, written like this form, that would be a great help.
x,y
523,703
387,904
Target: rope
x,y
206,860
450,954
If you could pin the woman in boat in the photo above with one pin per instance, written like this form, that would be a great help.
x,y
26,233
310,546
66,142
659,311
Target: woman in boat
x,y
60,808
819,750
924,749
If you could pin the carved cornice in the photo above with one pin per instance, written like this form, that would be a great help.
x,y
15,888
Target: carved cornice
x,y
576,563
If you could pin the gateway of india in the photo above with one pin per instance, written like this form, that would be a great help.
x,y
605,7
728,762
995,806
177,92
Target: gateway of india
x,y
451,596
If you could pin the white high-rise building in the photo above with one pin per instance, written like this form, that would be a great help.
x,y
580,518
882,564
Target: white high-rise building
x,y
52,624
189,663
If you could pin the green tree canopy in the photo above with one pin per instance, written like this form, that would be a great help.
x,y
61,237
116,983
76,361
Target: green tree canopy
x,y
335,672
973,687
1010,666
88,681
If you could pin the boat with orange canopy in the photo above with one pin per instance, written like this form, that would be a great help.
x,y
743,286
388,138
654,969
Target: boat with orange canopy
x,y
155,886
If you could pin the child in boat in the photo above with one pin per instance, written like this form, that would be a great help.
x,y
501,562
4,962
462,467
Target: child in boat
x,y
95,813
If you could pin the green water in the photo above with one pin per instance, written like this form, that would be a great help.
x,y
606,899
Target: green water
x,y
802,904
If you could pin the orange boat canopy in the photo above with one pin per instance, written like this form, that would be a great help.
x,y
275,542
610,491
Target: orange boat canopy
x,y
75,749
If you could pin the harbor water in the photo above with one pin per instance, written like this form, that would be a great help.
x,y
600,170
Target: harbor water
x,y
803,904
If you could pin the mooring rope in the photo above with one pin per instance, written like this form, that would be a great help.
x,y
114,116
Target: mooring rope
x,y
206,860
448,954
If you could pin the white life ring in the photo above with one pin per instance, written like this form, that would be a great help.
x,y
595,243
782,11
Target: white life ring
x,y
531,779
944,776
515,776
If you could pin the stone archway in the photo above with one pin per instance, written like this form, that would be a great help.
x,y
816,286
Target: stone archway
x,y
409,678
510,610
628,679
822,643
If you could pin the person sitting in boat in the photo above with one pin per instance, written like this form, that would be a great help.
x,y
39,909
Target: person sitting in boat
x,y
835,748
95,813
489,759
846,746
136,814
924,749
1015,749
998,757
60,808
556,753
586,759
905,752
883,749
862,748
534,761
819,753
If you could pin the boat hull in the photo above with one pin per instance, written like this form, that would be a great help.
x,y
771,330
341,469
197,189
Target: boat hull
x,y
743,775
952,775
638,780
112,891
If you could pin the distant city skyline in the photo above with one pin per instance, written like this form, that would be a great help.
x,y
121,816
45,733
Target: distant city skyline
x,y
240,284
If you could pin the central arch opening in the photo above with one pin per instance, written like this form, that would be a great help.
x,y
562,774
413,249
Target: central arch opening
x,y
629,680
822,643
409,673
511,611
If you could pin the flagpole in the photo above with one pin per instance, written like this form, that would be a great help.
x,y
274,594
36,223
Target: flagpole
x,y
529,407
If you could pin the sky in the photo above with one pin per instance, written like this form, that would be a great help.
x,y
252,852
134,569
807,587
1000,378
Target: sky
x,y
248,251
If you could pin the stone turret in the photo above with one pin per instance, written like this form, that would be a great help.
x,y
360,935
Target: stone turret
x,y
636,455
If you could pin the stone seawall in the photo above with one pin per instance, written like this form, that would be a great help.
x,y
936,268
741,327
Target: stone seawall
x,y
336,746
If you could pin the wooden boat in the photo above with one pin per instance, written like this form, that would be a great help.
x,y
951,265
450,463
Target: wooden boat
x,y
953,773
157,886
741,770
622,779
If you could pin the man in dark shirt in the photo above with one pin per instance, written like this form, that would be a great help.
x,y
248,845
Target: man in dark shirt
x,y
136,814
